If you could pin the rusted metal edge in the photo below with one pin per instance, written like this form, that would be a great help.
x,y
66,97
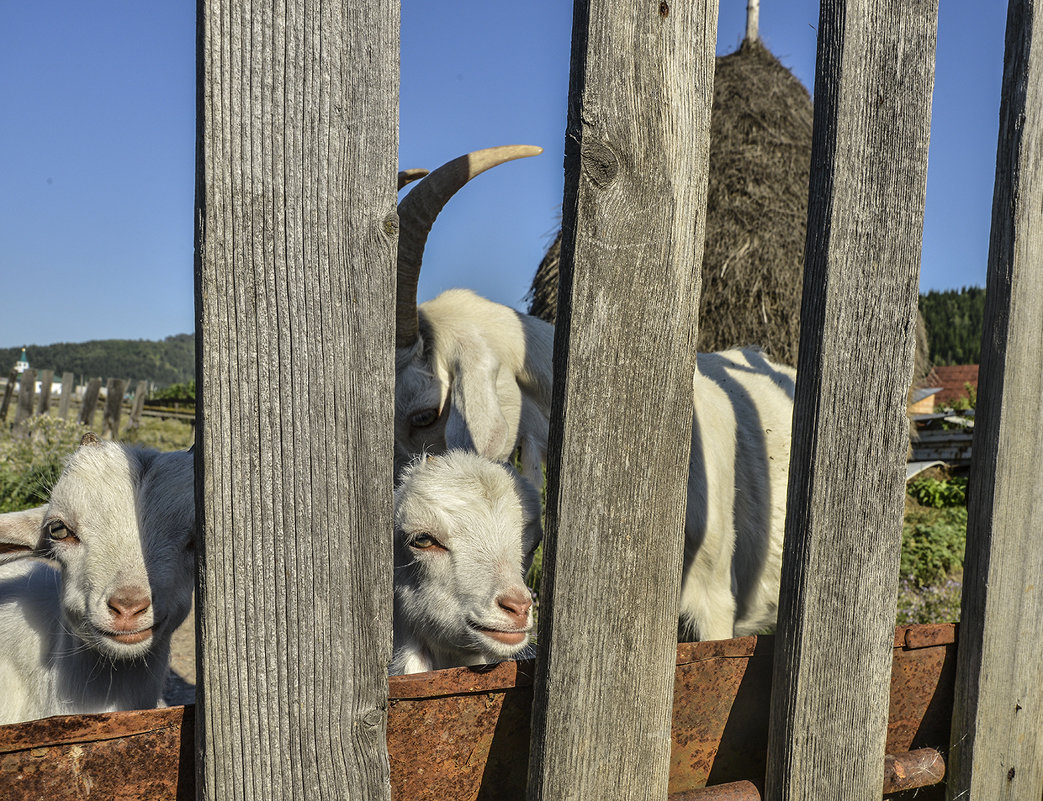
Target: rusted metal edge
x,y
510,674
925,635
924,767
71,729
507,675
462,681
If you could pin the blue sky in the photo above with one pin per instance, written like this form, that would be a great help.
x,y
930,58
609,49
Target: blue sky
x,y
96,190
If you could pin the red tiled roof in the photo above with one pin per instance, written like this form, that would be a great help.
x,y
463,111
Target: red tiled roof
x,y
952,378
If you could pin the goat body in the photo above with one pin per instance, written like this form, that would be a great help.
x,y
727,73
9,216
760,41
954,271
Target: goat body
x,y
737,477
93,585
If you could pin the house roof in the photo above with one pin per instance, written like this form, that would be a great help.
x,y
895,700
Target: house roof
x,y
952,378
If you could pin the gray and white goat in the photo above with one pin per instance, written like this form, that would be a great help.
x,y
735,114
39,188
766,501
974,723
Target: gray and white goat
x,y
470,373
93,584
466,528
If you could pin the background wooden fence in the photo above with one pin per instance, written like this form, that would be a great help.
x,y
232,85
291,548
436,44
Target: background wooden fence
x,y
27,401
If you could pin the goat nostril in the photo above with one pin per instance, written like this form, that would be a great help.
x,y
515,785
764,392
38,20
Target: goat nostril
x,y
515,605
129,604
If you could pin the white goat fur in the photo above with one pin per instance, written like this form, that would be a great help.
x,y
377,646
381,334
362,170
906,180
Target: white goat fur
x,y
737,476
123,520
478,378
466,529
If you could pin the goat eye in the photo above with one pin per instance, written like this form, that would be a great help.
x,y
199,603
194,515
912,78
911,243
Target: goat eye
x,y
423,418
425,541
59,531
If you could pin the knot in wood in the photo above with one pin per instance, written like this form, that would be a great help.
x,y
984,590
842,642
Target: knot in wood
x,y
600,164
664,9
390,224
373,718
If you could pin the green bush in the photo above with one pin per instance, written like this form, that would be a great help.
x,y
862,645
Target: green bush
x,y
176,393
32,459
939,494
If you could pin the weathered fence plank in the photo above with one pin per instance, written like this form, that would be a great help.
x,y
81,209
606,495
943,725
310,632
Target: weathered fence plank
x,y
26,396
110,421
637,149
873,88
297,144
68,388
46,380
90,402
140,391
997,735
8,394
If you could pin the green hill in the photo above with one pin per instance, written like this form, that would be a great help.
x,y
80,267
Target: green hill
x,y
164,362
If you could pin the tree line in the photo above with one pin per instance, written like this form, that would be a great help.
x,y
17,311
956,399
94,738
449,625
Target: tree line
x,y
163,362
954,320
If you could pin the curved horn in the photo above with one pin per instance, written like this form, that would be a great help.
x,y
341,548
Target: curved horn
x,y
408,176
417,213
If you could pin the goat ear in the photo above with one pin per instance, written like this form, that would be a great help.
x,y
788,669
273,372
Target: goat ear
x,y
20,534
476,419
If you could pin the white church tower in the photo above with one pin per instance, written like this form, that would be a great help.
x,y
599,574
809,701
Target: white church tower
x,y
22,364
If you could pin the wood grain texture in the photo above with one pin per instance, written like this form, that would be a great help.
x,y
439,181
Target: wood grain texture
x,y
873,86
90,402
46,380
997,736
636,155
26,396
297,149
68,387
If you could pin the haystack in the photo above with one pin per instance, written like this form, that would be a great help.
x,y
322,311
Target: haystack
x,y
756,216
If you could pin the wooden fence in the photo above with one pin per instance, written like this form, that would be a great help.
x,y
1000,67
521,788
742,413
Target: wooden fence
x,y
28,402
295,255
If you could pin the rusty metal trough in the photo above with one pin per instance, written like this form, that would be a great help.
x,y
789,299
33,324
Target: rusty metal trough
x,y
462,734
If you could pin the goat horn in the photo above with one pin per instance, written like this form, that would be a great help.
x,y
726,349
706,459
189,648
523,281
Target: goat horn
x,y
408,176
417,213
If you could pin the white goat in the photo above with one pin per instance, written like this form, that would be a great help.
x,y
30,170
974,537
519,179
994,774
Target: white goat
x,y
466,529
737,476
93,635
470,373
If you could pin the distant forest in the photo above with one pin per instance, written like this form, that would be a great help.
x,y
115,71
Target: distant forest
x,y
954,320
169,361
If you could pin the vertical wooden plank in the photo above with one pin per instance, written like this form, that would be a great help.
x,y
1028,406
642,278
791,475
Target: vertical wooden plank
x,y
5,404
140,392
637,149
90,402
26,396
46,380
873,85
297,158
997,734
110,421
67,389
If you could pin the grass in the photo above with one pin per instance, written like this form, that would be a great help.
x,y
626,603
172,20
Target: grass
x,y
31,459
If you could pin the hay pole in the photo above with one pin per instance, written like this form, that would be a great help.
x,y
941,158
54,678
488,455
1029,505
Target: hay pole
x,y
753,12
